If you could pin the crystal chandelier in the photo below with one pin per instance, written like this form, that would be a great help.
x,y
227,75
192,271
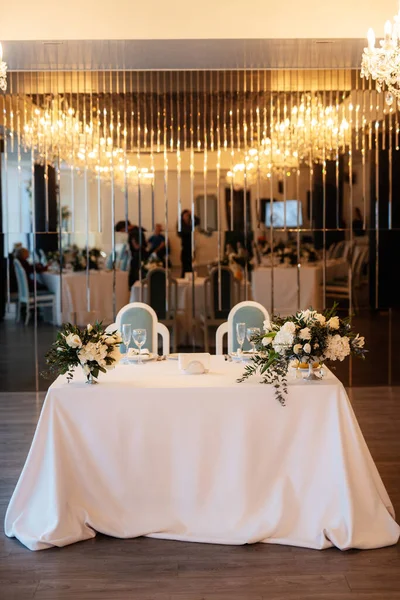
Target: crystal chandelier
x,y
3,71
312,133
382,63
56,133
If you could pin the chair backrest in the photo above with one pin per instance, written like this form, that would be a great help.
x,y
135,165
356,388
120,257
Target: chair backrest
x,y
338,250
124,258
22,281
156,281
109,261
124,263
43,257
219,307
358,263
249,312
140,316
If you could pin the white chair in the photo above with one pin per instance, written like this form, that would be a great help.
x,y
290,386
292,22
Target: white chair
x,y
44,299
249,312
142,316
341,290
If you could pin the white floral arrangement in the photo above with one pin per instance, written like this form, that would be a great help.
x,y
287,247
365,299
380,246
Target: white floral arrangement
x,y
308,337
91,348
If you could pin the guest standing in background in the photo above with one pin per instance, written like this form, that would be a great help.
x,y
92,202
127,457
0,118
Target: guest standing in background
x,y
157,244
137,245
358,223
186,239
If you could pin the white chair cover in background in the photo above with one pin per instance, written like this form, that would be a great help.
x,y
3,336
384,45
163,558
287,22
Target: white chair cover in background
x,y
150,451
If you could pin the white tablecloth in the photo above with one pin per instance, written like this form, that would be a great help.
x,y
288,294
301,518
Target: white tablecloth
x,y
74,295
153,452
286,286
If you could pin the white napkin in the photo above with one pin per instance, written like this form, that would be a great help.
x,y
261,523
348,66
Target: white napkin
x,y
135,351
194,363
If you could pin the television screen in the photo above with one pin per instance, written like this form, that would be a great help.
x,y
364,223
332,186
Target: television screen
x,y
284,214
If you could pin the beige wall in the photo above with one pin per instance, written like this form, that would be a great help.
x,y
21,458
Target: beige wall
x,y
179,19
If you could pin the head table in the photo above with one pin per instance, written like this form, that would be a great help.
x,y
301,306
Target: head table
x,y
154,452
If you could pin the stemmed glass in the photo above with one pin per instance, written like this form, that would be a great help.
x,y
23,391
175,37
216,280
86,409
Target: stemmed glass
x,y
240,334
139,337
126,338
253,332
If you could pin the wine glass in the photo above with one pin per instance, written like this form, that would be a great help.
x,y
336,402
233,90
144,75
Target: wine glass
x,y
253,332
139,337
240,334
126,338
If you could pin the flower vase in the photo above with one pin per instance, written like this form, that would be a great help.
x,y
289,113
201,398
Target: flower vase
x,y
90,379
311,374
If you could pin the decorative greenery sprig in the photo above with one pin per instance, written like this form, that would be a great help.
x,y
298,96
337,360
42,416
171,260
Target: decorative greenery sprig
x,y
307,337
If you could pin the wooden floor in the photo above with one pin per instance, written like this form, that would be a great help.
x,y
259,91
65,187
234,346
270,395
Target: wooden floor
x,y
146,569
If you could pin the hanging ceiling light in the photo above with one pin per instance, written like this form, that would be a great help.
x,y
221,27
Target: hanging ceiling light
x,y
312,133
3,71
382,63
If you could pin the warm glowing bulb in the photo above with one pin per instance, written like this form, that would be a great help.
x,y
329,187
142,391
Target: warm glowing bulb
x,y
371,39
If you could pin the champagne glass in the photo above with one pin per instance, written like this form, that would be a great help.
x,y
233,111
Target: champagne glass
x,y
139,337
240,334
253,332
126,338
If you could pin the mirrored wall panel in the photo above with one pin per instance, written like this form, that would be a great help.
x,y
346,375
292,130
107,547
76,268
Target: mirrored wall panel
x,y
192,191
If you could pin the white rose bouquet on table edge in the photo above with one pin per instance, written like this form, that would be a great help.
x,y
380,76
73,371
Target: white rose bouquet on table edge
x,y
306,337
90,348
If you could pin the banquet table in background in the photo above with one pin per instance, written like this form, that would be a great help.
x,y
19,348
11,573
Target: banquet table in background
x,y
285,285
74,295
153,452
189,329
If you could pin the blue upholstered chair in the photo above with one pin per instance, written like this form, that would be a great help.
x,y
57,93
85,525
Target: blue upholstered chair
x,y
124,258
251,313
142,316
44,299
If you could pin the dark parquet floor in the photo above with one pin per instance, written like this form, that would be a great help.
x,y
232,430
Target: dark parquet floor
x,y
147,569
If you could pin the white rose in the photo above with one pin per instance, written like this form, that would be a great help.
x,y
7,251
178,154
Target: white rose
x,y
333,323
266,341
89,327
297,348
289,327
320,318
305,334
73,340
267,324
283,340
307,348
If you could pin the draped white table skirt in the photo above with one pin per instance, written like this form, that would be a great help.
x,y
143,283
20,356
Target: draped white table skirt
x,y
75,307
152,452
287,282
